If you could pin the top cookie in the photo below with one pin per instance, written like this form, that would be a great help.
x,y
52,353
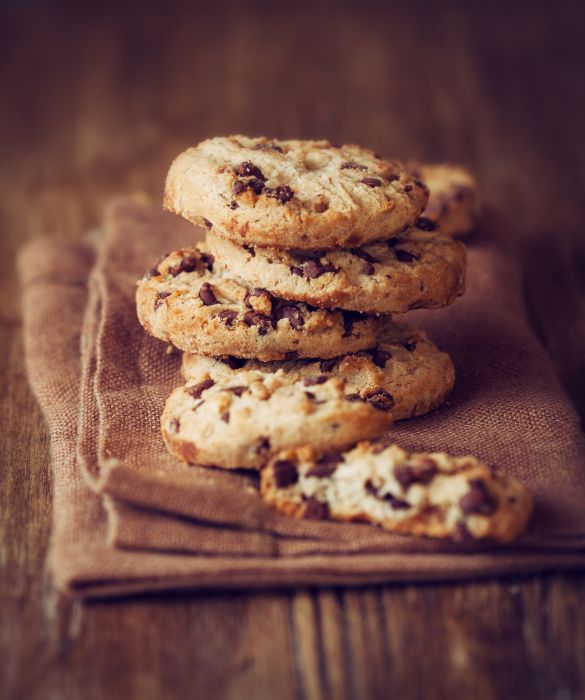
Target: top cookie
x,y
293,194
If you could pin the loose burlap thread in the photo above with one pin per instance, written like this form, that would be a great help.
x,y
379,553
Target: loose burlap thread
x,y
128,517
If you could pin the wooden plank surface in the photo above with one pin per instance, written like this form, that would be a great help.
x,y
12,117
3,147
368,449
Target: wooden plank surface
x,y
96,100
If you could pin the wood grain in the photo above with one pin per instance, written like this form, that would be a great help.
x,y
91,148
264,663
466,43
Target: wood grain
x,y
96,100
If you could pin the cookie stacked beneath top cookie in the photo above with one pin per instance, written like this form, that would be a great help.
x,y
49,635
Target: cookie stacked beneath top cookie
x,y
284,311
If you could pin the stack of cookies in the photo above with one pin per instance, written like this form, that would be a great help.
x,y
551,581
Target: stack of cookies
x,y
291,355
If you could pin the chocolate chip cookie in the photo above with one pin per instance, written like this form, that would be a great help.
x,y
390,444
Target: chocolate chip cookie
x,y
186,301
454,200
405,371
418,268
243,421
293,194
427,494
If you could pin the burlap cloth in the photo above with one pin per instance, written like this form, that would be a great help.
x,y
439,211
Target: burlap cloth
x,y
128,517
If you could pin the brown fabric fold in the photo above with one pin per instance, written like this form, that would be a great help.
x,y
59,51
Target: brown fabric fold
x,y
128,517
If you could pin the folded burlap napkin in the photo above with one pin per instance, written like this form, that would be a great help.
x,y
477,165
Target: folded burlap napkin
x,y
128,517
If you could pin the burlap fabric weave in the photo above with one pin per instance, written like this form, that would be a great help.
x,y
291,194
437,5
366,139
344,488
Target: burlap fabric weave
x,y
128,517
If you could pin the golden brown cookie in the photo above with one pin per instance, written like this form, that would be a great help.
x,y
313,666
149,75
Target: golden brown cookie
x,y
426,494
405,366
293,194
188,302
415,269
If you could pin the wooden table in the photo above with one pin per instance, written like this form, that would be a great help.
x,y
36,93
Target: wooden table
x,y
96,100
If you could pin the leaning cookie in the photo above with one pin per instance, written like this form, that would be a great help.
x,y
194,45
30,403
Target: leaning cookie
x,y
186,301
293,194
405,365
454,200
419,268
243,421
426,494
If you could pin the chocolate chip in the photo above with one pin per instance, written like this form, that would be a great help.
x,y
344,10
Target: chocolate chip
x,y
420,184
380,399
325,466
291,311
249,249
282,193
208,261
310,395
263,446
380,357
234,204
405,256
350,318
232,362
291,355
327,365
352,165
409,345
187,264
408,188
175,425
320,204
314,268
407,475
228,317
364,255
225,417
316,510
196,391
392,242
256,184
159,298
152,273
237,390
426,224
396,503
285,473
370,488
296,270
312,381
207,223
248,169
478,500
238,188
206,294
371,181
369,269
262,322
391,177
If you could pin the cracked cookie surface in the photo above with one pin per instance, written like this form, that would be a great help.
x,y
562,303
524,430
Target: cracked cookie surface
x,y
187,302
243,421
405,365
293,194
424,494
419,268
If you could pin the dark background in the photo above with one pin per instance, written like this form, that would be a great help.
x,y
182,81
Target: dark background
x,y
96,99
